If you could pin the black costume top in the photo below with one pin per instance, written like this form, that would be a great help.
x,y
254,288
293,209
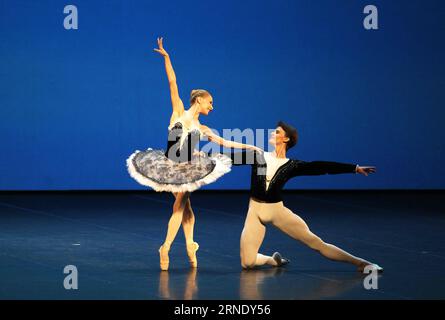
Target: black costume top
x,y
181,151
290,169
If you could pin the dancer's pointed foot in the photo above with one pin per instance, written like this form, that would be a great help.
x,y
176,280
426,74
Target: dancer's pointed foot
x,y
374,266
279,259
163,257
192,247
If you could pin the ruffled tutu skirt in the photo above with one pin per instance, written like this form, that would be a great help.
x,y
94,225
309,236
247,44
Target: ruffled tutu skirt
x,y
153,169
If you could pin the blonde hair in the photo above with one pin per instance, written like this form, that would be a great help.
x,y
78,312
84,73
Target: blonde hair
x,y
197,93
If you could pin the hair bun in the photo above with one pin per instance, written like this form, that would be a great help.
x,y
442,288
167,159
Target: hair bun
x,y
195,93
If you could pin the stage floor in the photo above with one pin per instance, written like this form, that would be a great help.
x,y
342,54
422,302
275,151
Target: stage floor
x,y
113,239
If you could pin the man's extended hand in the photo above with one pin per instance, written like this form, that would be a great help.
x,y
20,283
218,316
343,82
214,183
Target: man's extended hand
x,y
365,170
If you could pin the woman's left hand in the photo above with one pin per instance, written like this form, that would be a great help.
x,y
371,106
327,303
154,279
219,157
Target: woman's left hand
x,y
255,148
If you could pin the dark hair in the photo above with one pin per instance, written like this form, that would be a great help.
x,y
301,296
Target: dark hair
x,y
291,133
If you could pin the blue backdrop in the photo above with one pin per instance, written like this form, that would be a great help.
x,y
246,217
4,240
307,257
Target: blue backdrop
x,y
74,104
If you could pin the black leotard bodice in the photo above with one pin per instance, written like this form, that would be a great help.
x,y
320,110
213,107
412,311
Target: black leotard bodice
x,y
177,151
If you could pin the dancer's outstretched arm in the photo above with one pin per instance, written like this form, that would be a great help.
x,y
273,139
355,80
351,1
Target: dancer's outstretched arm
x,y
223,142
246,157
178,106
304,168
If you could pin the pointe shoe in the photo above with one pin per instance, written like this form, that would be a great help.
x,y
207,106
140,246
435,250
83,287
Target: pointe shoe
x,y
374,266
279,259
163,257
191,252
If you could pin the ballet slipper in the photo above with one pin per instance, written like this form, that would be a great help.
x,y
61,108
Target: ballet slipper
x,y
279,259
163,257
191,252
374,266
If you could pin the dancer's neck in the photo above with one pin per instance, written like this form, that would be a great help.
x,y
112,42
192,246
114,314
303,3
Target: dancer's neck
x,y
280,151
193,111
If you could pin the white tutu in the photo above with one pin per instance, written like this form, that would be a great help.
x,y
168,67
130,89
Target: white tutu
x,y
153,169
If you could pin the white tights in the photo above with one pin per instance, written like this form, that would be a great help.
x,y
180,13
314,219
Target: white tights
x,y
284,219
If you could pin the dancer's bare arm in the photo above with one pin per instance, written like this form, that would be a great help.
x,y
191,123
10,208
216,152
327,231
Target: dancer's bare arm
x,y
178,106
225,143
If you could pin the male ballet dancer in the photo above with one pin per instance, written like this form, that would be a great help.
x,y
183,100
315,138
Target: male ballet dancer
x,y
270,171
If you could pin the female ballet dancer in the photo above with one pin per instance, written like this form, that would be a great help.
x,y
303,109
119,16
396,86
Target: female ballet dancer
x,y
180,169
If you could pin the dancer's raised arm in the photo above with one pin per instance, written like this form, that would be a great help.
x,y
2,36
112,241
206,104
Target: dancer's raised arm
x,y
178,106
